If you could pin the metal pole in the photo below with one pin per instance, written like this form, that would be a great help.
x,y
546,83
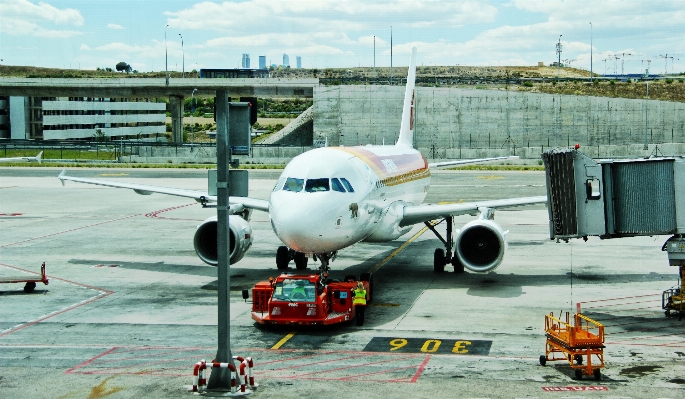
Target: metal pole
x,y
166,58
183,54
220,377
590,52
390,55
192,116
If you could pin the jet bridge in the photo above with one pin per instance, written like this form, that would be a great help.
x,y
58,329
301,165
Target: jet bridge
x,y
614,198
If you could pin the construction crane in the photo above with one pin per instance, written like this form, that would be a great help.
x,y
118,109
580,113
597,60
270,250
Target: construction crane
x,y
623,57
666,57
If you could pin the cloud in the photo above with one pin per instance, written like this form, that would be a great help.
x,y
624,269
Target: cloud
x,y
24,18
114,26
326,15
85,47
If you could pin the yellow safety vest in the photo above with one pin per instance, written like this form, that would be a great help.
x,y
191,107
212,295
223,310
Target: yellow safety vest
x,y
359,297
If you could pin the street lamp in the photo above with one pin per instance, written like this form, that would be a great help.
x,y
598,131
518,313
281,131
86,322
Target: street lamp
x,y
590,52
559,54
166,58
184,58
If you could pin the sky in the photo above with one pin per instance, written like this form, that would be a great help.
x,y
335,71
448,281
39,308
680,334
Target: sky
x,y
189,35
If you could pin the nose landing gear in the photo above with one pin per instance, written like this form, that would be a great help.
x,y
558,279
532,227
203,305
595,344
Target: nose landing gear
x,y
284,255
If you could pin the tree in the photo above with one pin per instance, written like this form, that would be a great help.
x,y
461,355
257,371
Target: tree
x,y
123,67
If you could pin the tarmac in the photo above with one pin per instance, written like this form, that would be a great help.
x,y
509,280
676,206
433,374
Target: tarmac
x,y
130,309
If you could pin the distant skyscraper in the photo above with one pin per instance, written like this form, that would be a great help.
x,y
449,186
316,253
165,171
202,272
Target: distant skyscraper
x,y
286,60
246,60
262,62
299,61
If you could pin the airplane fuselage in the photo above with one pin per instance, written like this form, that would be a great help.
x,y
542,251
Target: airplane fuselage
x,y
332,197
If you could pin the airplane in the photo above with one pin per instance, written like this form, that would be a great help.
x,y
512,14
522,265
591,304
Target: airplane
x,y
331,198
19,159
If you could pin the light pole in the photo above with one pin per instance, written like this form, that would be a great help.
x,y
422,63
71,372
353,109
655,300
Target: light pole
x,y
559,54
590,52
166,58
183,74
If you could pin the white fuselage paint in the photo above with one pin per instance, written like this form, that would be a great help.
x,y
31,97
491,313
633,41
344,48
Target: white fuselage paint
x,y
384,180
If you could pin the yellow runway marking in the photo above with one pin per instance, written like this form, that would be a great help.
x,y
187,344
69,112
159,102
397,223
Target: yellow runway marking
x,y
398,250
284,340
491,177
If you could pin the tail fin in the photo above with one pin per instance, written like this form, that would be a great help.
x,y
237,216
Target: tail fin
x,y
407,126
38,156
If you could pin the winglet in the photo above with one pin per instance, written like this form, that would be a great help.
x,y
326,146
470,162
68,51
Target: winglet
x,y
38,156
61,176
407,126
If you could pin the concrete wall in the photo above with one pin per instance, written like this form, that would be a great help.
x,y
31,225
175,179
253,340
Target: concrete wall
x,y
450,120
19,118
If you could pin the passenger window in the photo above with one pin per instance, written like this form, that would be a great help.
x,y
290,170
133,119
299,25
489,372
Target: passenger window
x,y
315,185
347,185
336,185
592,186
293,184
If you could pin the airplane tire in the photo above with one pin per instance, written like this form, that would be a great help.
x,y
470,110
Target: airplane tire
x,y
282,258
301,260
458,266
439,260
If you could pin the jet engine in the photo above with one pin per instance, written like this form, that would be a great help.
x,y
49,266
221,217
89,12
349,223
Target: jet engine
x,y
206,245
480,245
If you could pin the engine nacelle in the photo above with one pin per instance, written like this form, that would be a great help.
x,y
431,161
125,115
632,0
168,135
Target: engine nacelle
x,y
206,243
480,245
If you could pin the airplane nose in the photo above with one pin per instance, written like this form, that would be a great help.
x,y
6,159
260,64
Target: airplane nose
x,y
304,226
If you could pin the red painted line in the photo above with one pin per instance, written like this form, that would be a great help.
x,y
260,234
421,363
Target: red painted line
x,y
103,293
87,362
156,214
357,376
350,367
68,231
621,298
421,368
310,364
294,358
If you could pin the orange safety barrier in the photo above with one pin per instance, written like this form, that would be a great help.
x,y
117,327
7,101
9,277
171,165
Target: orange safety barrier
x,y
580,343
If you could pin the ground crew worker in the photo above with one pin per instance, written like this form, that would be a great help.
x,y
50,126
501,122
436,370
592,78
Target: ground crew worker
x,y
359,302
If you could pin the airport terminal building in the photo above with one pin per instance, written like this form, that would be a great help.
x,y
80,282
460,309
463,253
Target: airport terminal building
x,y
63,118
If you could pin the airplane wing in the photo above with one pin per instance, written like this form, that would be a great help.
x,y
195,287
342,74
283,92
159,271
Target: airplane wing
x,y
469,161
422,213
144,189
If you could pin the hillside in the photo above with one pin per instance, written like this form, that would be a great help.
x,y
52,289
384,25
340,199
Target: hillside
x,y
489,78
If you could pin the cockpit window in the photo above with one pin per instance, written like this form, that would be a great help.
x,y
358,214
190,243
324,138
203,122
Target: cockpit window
x,y
292,290
315,185
347,185
279,184
293,184
336,185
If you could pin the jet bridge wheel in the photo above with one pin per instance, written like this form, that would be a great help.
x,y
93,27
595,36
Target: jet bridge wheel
x,y
282,257
439,260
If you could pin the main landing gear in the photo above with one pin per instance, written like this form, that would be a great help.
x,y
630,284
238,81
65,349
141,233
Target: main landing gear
x,y
284,255
443,257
